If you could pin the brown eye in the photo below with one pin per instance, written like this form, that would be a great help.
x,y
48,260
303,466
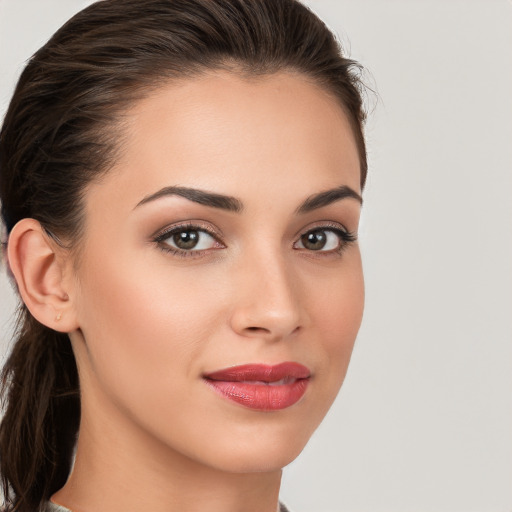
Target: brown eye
x,y
324,240
186,240
314,240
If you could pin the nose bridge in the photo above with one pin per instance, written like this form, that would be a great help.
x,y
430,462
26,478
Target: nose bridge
x,y
269,300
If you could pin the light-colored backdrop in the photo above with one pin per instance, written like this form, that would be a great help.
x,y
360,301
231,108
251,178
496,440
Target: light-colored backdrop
x,y
424,421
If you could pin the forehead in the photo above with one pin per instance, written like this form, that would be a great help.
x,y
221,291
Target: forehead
x,y
236,135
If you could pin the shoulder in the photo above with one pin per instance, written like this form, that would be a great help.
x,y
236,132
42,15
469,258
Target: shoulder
x,y
49,506
53,507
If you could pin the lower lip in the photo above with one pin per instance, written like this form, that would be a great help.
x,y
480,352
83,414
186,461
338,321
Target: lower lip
x,y
262,397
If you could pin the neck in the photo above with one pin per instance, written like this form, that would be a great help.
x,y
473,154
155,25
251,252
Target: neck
x,y
120,468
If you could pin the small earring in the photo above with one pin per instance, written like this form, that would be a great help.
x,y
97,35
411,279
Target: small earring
x,y
58,317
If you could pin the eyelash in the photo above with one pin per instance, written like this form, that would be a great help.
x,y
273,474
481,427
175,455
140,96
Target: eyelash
x,y
346,238
160,238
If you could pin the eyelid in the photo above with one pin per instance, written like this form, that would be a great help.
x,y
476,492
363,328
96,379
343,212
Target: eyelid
x,y
160,236
197,225
325,224
346,237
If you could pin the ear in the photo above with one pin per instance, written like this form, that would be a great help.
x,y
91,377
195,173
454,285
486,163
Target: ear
x,y
42,273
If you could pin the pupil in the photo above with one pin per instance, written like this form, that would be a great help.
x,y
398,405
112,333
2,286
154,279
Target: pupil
x,y
315,240
186,239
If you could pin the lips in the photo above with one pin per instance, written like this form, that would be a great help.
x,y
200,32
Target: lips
x,y
261,387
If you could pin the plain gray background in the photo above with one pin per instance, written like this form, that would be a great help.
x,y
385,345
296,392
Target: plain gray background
x,y
424,420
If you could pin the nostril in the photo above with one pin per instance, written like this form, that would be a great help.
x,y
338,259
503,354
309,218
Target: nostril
x,y
256,329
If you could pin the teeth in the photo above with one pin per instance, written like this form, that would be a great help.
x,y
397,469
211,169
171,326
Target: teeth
x,y
285,380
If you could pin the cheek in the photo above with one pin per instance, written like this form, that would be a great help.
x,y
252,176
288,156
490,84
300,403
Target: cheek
x,y
338,298
143,323
337,311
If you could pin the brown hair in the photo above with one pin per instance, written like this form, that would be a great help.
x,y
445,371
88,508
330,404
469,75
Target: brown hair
x,y
62,130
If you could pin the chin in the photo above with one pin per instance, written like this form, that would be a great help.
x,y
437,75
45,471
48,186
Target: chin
x,y
261,448
258,459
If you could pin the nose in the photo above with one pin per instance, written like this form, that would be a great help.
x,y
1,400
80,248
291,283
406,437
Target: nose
x,y
268,300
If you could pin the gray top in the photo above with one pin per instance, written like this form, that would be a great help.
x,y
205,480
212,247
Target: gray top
x,y
53,507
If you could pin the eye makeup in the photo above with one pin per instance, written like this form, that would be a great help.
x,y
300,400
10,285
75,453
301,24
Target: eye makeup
x,y
193,239
189,239
321,240
325,238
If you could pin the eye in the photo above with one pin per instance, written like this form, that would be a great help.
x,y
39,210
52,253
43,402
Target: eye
x,y
186,239
325,240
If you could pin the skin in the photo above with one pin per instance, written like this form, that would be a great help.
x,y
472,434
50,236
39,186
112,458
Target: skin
x,y
146,324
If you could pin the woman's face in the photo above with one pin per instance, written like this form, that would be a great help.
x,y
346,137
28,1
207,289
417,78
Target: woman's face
x,y
223,237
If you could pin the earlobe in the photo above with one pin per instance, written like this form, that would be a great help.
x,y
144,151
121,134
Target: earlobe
x,y
38,266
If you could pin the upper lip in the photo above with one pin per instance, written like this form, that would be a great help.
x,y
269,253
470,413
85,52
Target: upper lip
x,y
261,372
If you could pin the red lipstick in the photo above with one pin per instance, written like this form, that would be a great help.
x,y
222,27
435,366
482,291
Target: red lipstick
x,y
261,387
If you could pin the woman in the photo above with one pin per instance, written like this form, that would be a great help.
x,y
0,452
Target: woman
x,y
181,184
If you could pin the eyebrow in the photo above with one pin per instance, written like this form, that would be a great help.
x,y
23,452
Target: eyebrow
x,y
232,204
328,197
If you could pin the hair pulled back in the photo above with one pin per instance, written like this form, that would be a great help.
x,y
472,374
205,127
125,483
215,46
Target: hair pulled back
x,y
62,131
